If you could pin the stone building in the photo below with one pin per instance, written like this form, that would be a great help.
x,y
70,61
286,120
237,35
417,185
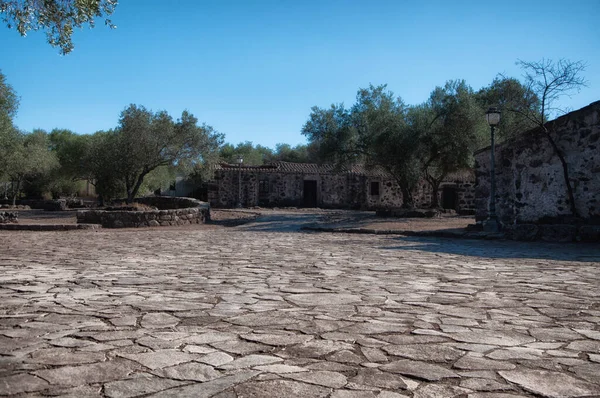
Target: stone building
x,y
282,184
530,186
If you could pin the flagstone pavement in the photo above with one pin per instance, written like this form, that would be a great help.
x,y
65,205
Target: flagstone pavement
x,y
256,311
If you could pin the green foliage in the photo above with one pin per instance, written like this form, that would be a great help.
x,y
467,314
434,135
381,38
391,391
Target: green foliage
x,y
159,178
9,141
374,132
29,159
9,101
300,153
252,155
99,163
259,155
509,95
146,140
451,127
330,131
56,17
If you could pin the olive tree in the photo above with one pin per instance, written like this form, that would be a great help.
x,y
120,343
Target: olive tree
x,y
374,132
450,130
145,140
29,158
56,17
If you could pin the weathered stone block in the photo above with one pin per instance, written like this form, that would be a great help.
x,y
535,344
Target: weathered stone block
x,y
589,233
558,233
55,205
8,217
525,232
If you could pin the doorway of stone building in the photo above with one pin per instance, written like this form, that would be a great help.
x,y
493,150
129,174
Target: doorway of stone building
x,y
309,198
449,197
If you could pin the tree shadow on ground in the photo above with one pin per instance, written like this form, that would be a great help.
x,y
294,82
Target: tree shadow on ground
x,y
369,220
498,249
279,223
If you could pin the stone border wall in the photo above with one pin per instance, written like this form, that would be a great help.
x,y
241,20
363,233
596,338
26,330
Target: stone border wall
x,y
46,227
172,211
9,217
553,232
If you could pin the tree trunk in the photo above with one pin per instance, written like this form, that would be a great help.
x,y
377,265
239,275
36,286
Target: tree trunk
x,y
565,168
15,192
435,189
131,195
407,197
129,190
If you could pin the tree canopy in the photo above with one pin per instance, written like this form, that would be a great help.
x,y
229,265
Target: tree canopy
x,y
256,155
145,140
57,17
374,131
28,158
450,128
9,103
509,94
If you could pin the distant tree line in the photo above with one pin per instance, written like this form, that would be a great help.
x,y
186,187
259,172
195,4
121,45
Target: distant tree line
x,y
147,149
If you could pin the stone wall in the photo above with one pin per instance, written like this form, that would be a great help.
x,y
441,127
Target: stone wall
x,y
287,189
8,217
171,211
530,186
270,188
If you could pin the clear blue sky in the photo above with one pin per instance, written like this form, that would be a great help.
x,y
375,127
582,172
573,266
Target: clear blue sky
x,y
253,69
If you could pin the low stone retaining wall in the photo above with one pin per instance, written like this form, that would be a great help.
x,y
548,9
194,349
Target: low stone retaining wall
x,y
413,213
172,211
46,227
8,217
553,232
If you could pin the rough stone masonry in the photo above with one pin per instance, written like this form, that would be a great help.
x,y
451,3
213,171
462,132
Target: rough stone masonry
x,y
529,176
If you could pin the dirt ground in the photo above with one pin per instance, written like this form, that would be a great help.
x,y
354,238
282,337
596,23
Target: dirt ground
x,y
368,220
320,217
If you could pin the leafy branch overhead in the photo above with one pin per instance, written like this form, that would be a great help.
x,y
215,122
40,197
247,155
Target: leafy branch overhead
x,y
57,17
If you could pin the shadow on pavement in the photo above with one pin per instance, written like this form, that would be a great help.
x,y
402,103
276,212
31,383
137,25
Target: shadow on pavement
x,y
580,252
279,223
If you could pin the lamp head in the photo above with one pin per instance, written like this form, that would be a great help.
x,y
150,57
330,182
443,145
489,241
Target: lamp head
x,y
493,116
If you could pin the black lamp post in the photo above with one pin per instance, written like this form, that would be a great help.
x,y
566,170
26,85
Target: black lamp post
x,y
491,225
240,160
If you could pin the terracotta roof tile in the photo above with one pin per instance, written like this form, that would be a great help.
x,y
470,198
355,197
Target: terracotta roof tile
x,y
307,168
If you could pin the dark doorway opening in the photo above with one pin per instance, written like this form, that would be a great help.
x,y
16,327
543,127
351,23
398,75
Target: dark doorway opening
x,y
449,198
374,188
310,193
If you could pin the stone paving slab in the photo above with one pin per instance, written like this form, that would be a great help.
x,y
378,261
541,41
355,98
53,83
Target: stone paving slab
x,y
267,311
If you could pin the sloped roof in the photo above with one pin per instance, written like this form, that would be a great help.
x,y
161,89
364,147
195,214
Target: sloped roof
x,y
314,168
306,168
464,175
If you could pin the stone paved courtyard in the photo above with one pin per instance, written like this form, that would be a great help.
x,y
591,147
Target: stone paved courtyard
x,y
262,310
